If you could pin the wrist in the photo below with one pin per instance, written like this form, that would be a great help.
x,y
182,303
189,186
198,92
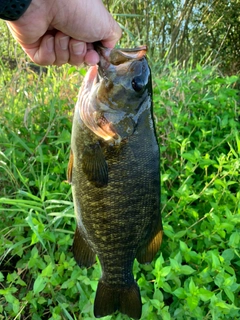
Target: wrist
x,y
14,9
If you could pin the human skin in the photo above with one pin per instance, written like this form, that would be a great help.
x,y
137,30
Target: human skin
x,y
55,32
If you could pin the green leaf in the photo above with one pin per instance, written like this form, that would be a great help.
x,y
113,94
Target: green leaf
x,y
187,270
215,260
156,303
41,300
230,294
189,156
1,277
47,235
158,295
62,257
31,222
192,287
165,314
175,265
166,287
234,240
205,294
180,293
72,69
159,262
178,257
165,271
39,284
223,305
180,234
47,272
192,302
184,248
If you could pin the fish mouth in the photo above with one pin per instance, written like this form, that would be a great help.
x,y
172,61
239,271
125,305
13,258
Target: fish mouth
x,y
88,111
118,56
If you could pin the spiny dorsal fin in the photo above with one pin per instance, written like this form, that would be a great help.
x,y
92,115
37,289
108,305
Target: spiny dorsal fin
x,y
94,165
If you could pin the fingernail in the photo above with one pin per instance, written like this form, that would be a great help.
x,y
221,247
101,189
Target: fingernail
x,y
78,48
64,42
50,44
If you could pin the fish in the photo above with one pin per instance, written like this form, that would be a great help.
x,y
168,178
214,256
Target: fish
x,y
115,177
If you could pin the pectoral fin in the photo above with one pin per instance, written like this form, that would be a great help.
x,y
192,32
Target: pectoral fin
x,y
148,252
82,253
70,167
95,166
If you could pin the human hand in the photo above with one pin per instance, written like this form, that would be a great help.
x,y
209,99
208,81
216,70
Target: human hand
x,y
54,32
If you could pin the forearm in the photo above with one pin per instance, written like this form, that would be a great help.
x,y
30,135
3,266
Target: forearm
x,y
12,10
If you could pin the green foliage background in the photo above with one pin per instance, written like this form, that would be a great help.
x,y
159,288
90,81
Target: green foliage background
x,y
196,274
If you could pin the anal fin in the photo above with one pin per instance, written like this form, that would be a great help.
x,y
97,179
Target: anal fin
x,y
94,165
147,253
109,299
82,253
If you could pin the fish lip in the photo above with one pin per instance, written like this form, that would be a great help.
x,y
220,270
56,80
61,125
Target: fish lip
x,y
111,58
114,57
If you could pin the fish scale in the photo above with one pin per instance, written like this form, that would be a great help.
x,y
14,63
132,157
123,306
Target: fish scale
x,y
115,180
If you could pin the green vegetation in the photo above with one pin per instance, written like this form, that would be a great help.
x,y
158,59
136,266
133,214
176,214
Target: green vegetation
x,y
196,274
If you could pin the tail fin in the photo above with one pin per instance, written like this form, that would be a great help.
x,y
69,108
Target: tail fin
x,y
110,299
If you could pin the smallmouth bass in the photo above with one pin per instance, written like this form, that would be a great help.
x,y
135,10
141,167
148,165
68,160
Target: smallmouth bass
x,y
114,172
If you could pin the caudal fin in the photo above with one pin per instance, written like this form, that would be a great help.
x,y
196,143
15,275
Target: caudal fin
x,y
109,299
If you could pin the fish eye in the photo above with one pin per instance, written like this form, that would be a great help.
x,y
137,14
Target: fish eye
x,y
137,84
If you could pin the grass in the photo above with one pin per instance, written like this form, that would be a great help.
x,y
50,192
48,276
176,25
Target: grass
x,y
196,275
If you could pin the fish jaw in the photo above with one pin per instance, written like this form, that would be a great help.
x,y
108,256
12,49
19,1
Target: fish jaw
x,y
116,57
87,107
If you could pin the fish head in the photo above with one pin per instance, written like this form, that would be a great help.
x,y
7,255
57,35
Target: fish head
x,y
115,92
124,76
